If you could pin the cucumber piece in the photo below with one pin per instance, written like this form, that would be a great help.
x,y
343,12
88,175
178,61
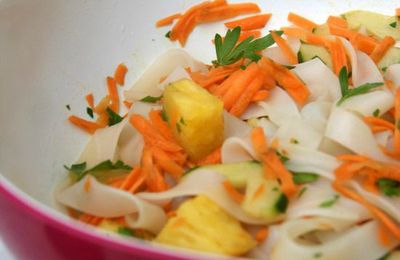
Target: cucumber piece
x,y
322,30
391,57
376,24
263,199
309,52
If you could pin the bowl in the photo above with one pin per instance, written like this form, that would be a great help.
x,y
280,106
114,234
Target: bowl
x,y
54,52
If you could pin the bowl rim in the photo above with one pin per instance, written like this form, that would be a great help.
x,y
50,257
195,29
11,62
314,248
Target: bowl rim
x,y
77,229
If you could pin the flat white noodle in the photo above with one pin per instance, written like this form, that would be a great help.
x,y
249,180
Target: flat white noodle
x,y
366,104
204,182
384,138
308,205
177,74
236,149
358,242
253,111
299,131
350,131
268,127
316,114
275,53
234,126
279,107
333,148
319,79
393,74
130,149
104,201
147,84
367,71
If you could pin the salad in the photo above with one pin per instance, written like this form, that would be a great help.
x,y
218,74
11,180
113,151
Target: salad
x,y
286,146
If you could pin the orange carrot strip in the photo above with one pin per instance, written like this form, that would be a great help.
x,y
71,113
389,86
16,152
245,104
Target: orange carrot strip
x,y
260,190
128,104
295,32
171,214
167,20
340,31
381,49
375,121
130,179
238,87
233,193
398,12
223,88
261,235
227,11
338,54
363,43
301,22
101,107
90,100
259,141
286,49
241,104
396,141
85,125
384,237
212,158
113,92
260,95
102,120
135,186
120,73
250,23
166,163
352,158
337,21
87,185
246,34
316,39
161,125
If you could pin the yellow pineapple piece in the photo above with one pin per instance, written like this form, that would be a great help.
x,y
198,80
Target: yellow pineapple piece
x,y
202,225
195,117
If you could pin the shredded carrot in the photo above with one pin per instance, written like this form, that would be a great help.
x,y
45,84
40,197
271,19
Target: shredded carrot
x,y
87,185
161,125
250,23
246,34
396,141
233,193
167,20
304,35
384,237
130,179
240,85
120,74
260,95
286,49
165,162
338,54
213,158
128,104
101,107
363,43
85,125
259,141
113,92
343,32
260,190
241,104
375,121
102,120
171,214
337,21
398,12
227,12
301,22
351,158
90,100
381,49
261,235
226,84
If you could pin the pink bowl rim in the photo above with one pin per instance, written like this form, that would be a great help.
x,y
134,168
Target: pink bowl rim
x,y
75,228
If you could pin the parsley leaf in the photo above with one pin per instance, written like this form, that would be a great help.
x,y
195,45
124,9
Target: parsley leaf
x,y
113,118
302,192
164,115
68,107
168,35
228,50
150,99
363,89
389,187
376,112
344,81
282,157
79,170
89,111
304,177
125,232
329,203
393,25
282,203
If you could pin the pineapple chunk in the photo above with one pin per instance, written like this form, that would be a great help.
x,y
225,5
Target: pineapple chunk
x,y
195,117
201,224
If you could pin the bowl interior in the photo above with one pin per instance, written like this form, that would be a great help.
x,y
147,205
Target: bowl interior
x,y
52,53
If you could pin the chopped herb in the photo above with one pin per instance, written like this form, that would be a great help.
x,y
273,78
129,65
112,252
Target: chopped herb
x,y
168,35
275,189
79,170
317,255
289,67
329,203
150,99
178,127
190,170
389,187
376,112
242,67
363,89
300,57
393,25
182,121
89,111
228,51
344,81
125,232
113,118
304,177
164,115
255,161
282,157
385,256
282,203
68,107
294,141
384,69
301,192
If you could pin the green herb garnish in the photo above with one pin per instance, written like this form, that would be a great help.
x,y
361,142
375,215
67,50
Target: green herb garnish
x,y
329,203
393,25
191,170
384,69
150,99
68,107
79,170
304,177
389,187
294,141
125,232
302,192
300,57
317,255
344,81
282,157
113,118
376,112
164,115
289,67
89,111
168,35
282,203
228,51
